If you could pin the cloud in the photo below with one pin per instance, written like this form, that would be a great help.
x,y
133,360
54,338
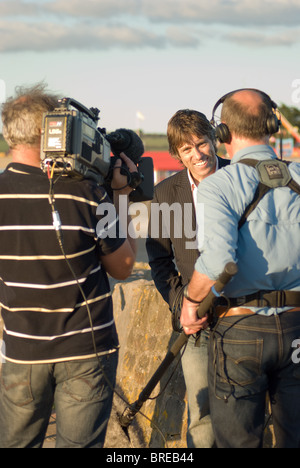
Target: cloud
x,y
18,8
229,12
226,12
257,39
94,8
182,37
46,25
50,36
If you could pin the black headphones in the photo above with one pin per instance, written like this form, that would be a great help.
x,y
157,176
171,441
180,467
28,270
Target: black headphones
x,y
222,131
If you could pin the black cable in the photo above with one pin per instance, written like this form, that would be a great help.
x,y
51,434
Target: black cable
x,y
171,376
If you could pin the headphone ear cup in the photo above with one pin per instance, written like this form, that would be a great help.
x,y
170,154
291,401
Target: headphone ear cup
x,y
223,133
273,124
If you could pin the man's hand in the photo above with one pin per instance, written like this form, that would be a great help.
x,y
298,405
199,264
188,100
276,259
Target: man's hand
x,y
189,319
119,182
198,289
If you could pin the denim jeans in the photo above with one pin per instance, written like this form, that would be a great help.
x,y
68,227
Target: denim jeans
x,y
249,357
77,389
194,365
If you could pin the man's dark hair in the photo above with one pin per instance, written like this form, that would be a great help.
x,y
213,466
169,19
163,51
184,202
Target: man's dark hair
x,y
183,125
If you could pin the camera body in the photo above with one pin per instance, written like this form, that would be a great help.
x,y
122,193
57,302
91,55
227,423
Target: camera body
x,y
73,144
72,141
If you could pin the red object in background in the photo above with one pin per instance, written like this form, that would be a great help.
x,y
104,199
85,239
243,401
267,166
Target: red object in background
x,y
163,161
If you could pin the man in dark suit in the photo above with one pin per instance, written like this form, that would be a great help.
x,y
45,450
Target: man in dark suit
x,y
172,257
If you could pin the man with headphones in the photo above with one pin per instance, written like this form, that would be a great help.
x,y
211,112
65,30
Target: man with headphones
x,y
252,218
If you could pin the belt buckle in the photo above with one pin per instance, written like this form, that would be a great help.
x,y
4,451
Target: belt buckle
x,y
268,301
280,298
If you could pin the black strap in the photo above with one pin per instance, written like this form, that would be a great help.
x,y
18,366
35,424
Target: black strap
x,y
249,162
294,186
261,191
259,194
280,298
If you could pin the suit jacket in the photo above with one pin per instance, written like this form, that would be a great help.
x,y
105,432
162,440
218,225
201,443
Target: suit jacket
x,y
172,265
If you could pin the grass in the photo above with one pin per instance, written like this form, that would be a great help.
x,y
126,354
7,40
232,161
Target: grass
x,y
152,142
155,142
3,145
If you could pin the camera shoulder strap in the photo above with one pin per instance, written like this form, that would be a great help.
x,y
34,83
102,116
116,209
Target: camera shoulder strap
x,y
273,173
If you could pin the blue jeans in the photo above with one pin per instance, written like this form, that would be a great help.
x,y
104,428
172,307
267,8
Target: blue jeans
x,y
194,365
251,356
78,391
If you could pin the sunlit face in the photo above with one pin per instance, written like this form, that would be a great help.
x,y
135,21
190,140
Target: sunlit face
x,y
198,156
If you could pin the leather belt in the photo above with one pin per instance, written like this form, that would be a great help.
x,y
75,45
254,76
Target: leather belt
x,y
222,311
282,298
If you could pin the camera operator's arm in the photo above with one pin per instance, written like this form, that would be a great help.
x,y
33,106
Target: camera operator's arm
x,y
119,264
120,181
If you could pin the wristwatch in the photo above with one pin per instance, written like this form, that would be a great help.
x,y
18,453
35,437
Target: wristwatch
x,y
185,293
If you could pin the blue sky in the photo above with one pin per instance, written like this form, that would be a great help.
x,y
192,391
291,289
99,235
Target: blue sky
x,y
151,56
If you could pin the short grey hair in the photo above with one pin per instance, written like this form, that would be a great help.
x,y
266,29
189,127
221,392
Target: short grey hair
x,y
22,115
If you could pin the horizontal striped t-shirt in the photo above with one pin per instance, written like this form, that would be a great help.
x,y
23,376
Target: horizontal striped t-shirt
x,y
44,312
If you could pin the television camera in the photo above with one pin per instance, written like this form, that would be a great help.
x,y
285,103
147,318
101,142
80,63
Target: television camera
x,y
73,144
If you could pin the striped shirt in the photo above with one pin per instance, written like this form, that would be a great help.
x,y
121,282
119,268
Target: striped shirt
x,y
44,313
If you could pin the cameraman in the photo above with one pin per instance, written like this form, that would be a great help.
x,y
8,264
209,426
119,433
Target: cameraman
x,y
53,311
